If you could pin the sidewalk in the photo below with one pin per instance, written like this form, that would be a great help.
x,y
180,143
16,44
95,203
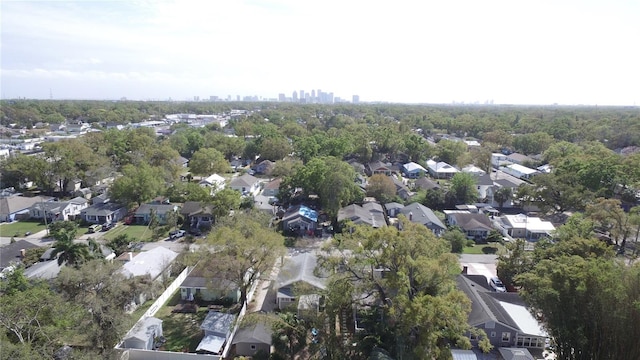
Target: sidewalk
x,y
264,288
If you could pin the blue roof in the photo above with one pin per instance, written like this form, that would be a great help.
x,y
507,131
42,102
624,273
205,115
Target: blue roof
x,y
308,213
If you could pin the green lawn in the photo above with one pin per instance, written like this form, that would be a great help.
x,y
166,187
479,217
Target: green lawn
x,y
139,233
182,331
19,228
489,248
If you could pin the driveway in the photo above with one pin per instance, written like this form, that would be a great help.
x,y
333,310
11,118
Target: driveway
x,y
479,264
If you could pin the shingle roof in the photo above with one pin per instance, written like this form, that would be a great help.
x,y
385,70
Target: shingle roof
x,y
12,252
369,213
421,214
252,333
426,184
300,267
101,209
245,180
217,323
469,221
300,210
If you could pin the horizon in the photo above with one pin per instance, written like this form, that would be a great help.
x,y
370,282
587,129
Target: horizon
x,y
574,53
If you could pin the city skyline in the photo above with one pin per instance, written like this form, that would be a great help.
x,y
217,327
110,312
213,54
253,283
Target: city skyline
x,y
568,53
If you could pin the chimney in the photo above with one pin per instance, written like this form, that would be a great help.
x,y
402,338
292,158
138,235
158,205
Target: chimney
x,y
411,216
130,256
465,269
23,252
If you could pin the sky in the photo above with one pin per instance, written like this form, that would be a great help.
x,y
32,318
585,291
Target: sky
x,y
508,52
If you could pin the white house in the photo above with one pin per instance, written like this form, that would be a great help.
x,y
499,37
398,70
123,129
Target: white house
x,y
413,170
519,171
217,331
214,182
246,185
58,210
523,226
143,334
441,170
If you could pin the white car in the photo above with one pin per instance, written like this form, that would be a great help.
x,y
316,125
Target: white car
x,y
497,285
177,234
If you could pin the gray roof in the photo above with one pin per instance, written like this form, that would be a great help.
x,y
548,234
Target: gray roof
x,y
393,205
369,213
159,208
45,270
468,221
300,267
218,323
245,180
15,203
11,253
421,214
484,180
191,208
515,354
485,303
200,278
145,329
253,333
463,354
426,184
101,209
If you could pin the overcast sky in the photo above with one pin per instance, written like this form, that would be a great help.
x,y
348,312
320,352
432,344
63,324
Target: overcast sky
x,y
511,52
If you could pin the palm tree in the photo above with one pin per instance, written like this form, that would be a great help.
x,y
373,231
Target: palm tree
x,y
69,251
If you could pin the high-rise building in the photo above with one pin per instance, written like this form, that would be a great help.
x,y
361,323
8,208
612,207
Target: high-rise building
x,y
356,99
295,96
313,95
282,98
302,95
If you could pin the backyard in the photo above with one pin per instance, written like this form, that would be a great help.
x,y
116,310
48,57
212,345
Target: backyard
x,y
19,228
182,330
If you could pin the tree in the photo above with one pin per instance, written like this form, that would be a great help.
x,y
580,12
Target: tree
x,y
224,201
274,148
119,244
67,250
137,185
435,199
180,192
246,250
381,187
207,161
463,189
457,239
502,195
289,335
449,151
589,300
104,293
416,290
514,262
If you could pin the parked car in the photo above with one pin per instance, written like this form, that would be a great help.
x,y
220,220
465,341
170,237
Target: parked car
x,y
496,284
109,226
95,228
177,234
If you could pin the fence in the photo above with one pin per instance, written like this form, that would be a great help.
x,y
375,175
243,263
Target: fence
x,y
166,294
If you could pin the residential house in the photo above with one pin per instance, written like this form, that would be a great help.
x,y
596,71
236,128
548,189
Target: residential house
x,y
457,354
253,338
441,170
217,328
103,213
144,334
181,161
378,167
472,169
300,219
143,213
413,170
393,209
498,160
519,171
213,182
484,185
58,210
197,214
272,188
83,193
73,186
264,167
502,315
200,284
523,226
425,183
358,167
420,214
246,184
520,159
370,213
475,226
12,254
515,354
401,189
298,277
154,263
44,270
16,207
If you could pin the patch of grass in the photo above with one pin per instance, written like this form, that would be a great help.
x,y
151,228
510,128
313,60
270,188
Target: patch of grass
x,y
19,228
139,233
182,331
489,248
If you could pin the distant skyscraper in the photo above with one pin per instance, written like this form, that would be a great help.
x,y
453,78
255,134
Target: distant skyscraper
x,y
196,98
319,95
313,95
356,99
282,98
302,95
295,96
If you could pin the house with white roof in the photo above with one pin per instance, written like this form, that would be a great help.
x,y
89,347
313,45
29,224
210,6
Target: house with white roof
x,y
213,182
217,328
299,268
143,334
413,170
519,171
523,226
154,262
441,170
246,184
